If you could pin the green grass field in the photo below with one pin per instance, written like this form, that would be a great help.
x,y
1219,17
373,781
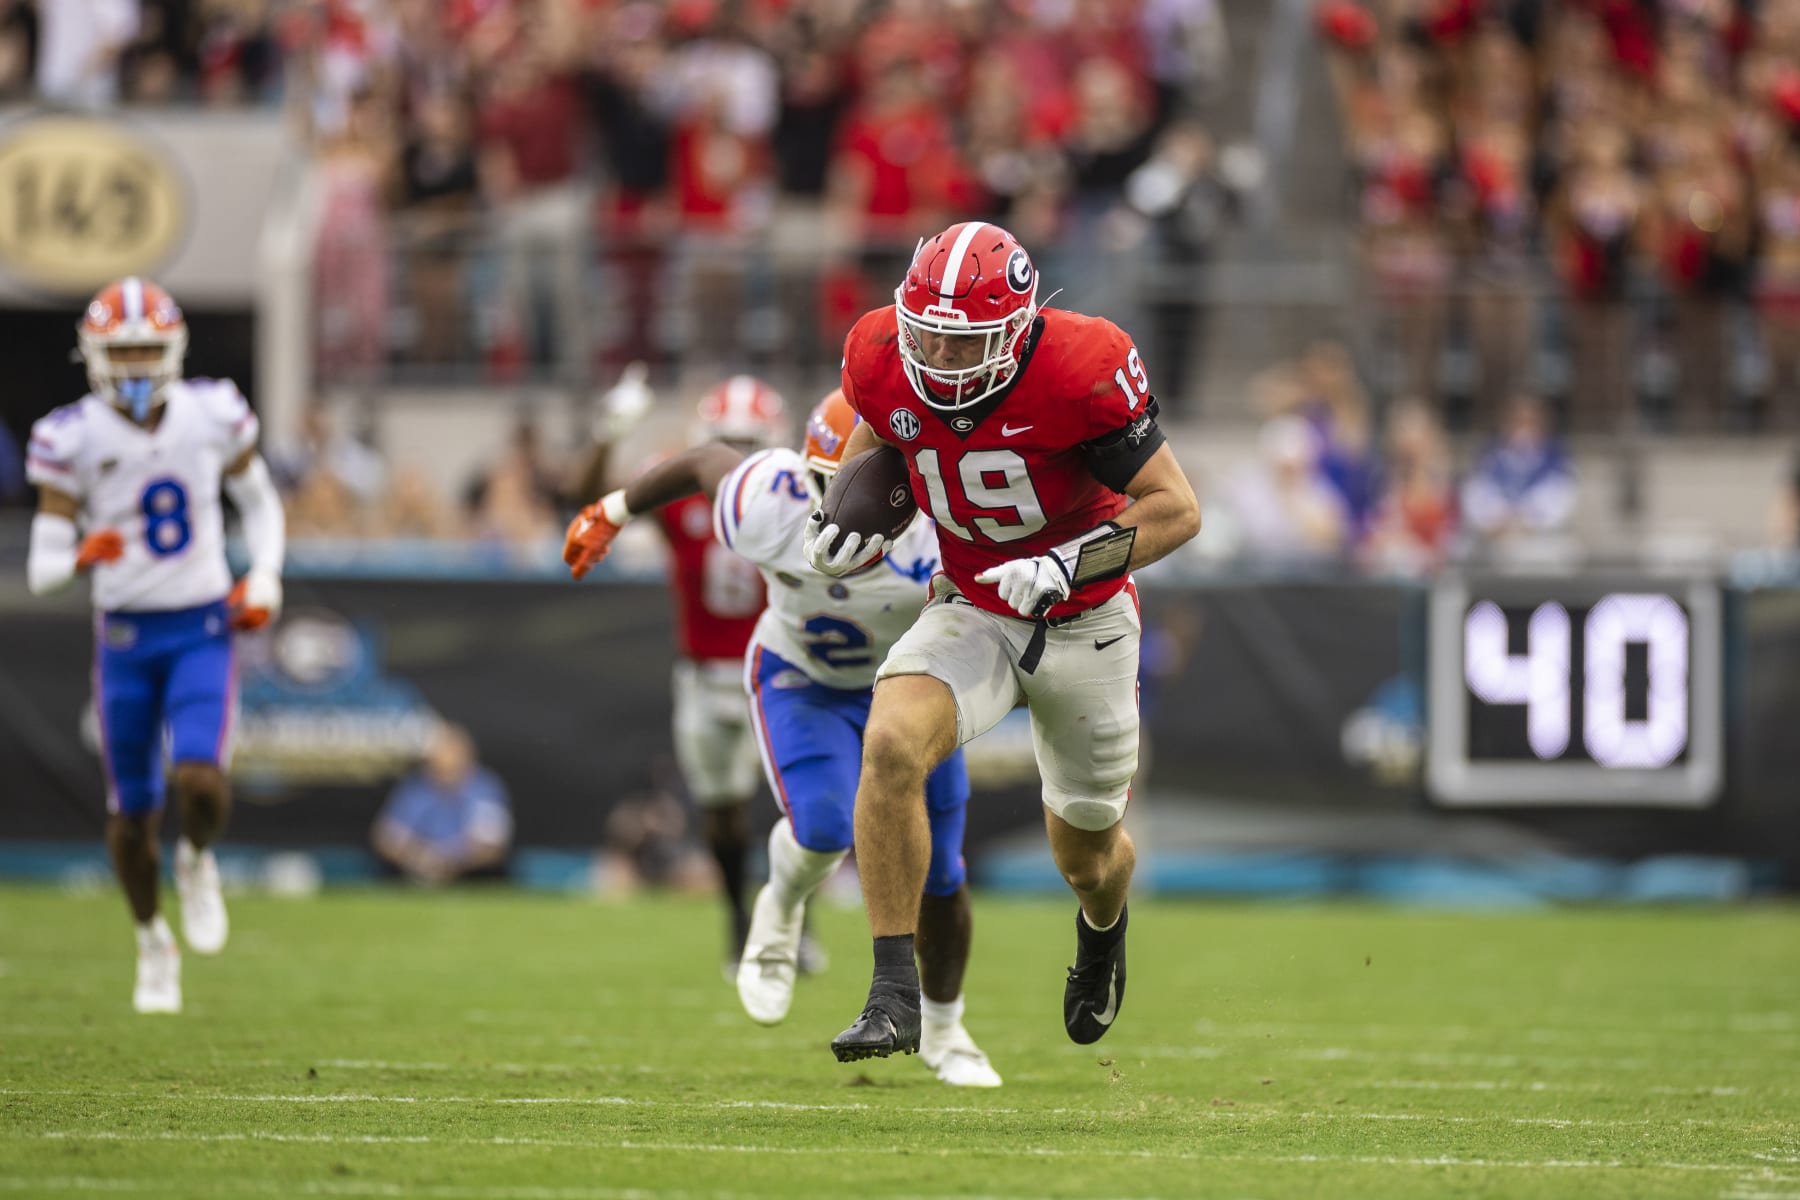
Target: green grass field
x,y
504,1047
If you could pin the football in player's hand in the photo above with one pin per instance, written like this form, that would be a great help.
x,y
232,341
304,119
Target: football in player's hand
x,y
871,495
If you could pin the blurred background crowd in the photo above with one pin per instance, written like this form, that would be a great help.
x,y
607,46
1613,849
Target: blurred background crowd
x,y
1551,217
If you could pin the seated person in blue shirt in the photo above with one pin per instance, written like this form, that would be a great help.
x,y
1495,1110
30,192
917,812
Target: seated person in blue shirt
x,y
447,820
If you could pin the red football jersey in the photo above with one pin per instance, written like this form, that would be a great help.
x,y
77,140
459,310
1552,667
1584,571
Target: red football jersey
x,y
718,595
1016,482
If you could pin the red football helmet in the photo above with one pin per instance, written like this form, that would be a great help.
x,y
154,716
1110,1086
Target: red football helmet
x,y
827,433
743,410
129,314
965,308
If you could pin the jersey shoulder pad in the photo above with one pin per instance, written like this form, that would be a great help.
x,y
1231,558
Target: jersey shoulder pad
x,y
871,352
53,453
1101,367
227,413
760,507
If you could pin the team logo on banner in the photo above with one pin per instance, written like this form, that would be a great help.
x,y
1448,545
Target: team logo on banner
x,y
88,200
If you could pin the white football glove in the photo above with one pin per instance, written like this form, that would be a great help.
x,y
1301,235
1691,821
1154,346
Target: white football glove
x,y
1032,586
852,555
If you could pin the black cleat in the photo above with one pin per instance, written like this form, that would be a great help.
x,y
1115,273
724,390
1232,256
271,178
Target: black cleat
x,y
878,1033
1096,986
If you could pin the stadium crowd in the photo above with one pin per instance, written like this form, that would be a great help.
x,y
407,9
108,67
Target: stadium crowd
x,y
1616,182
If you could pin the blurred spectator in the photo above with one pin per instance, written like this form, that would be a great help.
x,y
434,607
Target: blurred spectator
x,y
1522,489
530,133
1286,513
723,178
1703,229
331,479
1416,520
18,48
811,48
1188,200
1778,285
1322,387
1497,214
897,171
1190,57
411,509
648,845
448,820
78,49
350,259
514,501
438,193
625,86
1597,218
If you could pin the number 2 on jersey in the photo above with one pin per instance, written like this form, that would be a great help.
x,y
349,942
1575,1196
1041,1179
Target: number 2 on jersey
x,y
997,480
166,527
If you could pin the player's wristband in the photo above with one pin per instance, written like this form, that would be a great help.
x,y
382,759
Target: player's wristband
x,y
1102,553
613,507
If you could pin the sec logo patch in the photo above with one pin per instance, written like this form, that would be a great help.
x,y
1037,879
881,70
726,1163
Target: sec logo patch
x,y
904,424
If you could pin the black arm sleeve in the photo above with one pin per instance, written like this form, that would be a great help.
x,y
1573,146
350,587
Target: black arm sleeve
x,y
1116,458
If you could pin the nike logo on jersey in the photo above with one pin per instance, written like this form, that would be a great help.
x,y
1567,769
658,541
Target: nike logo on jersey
x,y
1009,431
1100,645
1104,1018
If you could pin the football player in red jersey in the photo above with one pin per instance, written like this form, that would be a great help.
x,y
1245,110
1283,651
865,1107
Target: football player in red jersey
x,y
1030,436
718,597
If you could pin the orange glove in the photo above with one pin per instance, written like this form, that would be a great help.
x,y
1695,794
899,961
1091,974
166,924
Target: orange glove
x,y
100,546
589,539
254,600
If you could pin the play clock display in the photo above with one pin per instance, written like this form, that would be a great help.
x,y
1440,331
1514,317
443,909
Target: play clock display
x,y
1560,691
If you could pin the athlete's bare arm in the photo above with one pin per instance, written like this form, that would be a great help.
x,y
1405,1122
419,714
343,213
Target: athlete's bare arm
x,y
1163,508
862,440
701,470
53,503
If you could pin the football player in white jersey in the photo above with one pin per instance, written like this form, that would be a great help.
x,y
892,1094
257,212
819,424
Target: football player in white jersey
x,y
810,671
129,478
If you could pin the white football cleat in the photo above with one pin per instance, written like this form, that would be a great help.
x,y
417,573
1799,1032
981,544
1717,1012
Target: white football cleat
x,y
953,1054
765,978
203,920
158,987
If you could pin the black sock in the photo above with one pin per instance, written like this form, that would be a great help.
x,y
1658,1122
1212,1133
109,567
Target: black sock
x,y
896,971
730,857
1095,938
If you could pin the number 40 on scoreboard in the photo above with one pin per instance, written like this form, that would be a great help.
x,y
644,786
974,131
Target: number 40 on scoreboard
x,y
1559,691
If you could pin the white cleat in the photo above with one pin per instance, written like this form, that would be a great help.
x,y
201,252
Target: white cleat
x,y
958,1061
203,920
158,987
765,978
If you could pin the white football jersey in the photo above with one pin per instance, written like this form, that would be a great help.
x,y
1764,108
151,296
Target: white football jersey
x,y
837,631
159,488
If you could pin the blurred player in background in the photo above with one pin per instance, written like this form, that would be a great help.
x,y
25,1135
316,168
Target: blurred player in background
x,y
129,478
718,597
809,674
1025,430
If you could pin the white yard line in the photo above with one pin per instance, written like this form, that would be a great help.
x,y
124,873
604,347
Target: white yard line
x,y
946,1152
1441,1058
1247,1111
1785,1028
